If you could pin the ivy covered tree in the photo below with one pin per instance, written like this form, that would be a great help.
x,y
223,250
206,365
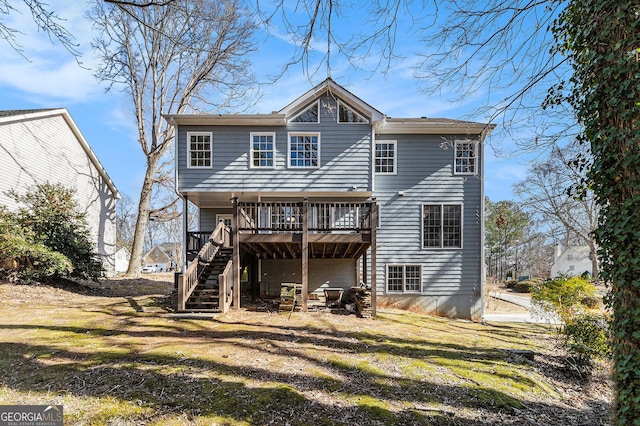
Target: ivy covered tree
x,y
50,217
601,39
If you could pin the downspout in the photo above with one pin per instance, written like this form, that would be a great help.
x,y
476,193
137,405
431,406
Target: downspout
x,y
184,198
483,272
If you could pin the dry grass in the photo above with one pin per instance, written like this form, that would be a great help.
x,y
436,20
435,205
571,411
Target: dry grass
x,y
110,355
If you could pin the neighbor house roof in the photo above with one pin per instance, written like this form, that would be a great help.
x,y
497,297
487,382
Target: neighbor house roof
x,y
12,116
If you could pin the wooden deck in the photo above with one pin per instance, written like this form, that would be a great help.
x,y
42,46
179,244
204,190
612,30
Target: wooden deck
x,y
300,230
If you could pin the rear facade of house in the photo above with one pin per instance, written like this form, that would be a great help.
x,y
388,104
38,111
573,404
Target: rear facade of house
x,y
330,193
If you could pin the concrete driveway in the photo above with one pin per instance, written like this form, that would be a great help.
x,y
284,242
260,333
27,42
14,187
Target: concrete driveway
x,y
525,302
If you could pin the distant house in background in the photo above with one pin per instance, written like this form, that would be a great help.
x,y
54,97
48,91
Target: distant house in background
x,y
123,256
163,256
571,261
40,146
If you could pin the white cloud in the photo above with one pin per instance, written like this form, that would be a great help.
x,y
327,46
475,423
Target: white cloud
x,y
45,81
44,71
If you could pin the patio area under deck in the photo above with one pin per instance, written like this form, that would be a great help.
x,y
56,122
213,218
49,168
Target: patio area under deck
x,y
304,230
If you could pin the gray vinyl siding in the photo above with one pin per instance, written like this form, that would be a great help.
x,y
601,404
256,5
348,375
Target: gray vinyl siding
x,y
345,158
44,150
425,175
208,218
340,273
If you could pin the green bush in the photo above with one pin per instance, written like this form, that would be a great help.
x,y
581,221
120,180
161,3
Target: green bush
x,y
524,287
587,338
584,334
591,302
562,295
34,261
51,234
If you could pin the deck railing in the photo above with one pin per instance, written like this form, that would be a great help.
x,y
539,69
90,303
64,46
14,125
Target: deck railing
x,y
225,287
188,280
287,217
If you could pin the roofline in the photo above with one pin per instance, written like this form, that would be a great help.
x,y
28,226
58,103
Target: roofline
x,y
330,85
226,119
432,126
77,133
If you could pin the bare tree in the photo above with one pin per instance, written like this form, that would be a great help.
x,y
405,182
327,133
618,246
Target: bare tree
x,y
45,19
554,189
177,57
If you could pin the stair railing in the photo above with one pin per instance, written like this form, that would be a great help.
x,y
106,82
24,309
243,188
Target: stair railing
x,y
225,287
189,279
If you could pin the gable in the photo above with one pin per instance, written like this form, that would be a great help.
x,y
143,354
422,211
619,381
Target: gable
x,y
353,106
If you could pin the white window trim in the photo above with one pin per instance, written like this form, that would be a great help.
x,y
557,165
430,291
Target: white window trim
x,y
395,153
475,158
251,135
346,105
223,216
441,234
289,166
302,111
189,134
404,276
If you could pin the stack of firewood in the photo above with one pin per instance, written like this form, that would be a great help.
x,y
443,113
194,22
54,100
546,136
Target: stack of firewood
x,y
362,299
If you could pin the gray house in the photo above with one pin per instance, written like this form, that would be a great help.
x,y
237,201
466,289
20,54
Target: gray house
x,y
45,145
330,193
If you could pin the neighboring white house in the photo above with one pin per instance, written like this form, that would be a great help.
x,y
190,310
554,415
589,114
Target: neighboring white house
x,y
571,261
123,256
39,146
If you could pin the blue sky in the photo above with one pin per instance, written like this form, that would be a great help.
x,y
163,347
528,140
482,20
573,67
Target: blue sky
x,y
51,78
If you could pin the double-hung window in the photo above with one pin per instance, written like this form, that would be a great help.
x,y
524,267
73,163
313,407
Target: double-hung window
x,y
466,157
404,278
304,150
199,150
263,150
385,158
442,226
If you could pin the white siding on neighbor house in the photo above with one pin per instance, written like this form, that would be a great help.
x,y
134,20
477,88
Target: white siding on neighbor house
x,y
425,176
122,260
571,261
45,149
345,158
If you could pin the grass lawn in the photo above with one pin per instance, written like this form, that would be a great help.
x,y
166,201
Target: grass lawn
x,y
110,355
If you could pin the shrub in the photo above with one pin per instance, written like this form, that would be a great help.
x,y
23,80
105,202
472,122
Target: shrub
x,y
587,338
585,335
34,261
591,302
51,233
524,287
562,295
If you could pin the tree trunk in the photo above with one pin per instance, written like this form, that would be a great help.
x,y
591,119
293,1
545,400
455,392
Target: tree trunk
x,y
143,220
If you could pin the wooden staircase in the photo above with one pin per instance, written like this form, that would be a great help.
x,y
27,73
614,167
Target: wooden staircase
x,y
205,296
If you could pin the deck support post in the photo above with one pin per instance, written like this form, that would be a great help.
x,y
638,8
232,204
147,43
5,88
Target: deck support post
x,y
236,254
305,253
374,278
185,233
